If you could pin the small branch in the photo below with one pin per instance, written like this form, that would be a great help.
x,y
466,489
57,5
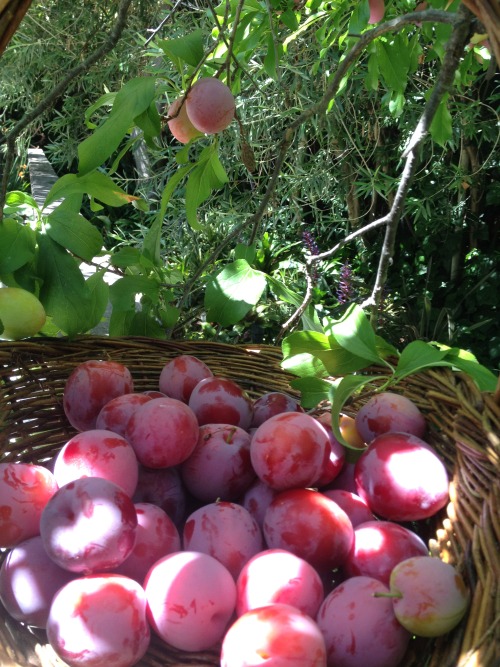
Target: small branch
x,y
49,100
444,83
162,23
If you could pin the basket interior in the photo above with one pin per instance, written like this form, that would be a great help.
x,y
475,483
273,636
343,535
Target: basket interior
x,y
464,429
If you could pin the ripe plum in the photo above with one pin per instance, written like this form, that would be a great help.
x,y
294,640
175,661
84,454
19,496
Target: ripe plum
x,y
401,478
115,414
217,400
389,412
99,620
163,432
210,105
180,375
276,634
354,506
191,598
98,453
361,629
162,487
220,466
29,579
25,489
290,450
311,526
226,531
89,524
257,499
156,537
90,386
273,403
277,575
379,546
179,124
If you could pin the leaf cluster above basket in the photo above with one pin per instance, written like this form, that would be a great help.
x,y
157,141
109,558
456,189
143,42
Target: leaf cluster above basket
x,y
331,364
463,433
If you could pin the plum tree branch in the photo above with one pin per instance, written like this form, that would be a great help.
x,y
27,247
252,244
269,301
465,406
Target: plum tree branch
x,y
444,84
52,96
461,23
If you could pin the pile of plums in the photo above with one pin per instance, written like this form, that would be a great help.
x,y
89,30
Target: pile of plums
x,y
223,522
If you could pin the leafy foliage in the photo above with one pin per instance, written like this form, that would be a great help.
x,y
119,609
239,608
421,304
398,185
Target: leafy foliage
x,y
204,247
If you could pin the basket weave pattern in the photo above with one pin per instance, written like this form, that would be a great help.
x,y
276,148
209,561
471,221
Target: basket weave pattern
x,y
465,430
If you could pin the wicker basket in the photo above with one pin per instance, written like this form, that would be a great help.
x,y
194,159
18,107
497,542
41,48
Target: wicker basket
x,y
465,430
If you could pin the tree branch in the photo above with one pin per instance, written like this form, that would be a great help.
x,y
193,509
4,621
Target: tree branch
x,y
392,218
453,52
62,87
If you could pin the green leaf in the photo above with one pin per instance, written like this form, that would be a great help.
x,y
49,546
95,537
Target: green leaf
x,y
441,129
130,102
95,184
393,65
315,353
125,257
313,391
64,293
270,62
243,251
152,240
224,292
149,121
105,100
207,175
143,324
289,19
372,72
72,231
340,392
18,244
188,49
359,17
355,334
467,363
123,292
169,316
99,298
416,356
16,198
120,321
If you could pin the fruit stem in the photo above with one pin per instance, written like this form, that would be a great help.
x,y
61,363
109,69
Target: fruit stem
x,y
381,594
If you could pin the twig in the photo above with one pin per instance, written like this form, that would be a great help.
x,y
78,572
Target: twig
x,y
444,83
162,23
49,100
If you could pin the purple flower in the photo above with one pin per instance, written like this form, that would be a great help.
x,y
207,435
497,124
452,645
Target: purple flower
x,y
313,249
345,289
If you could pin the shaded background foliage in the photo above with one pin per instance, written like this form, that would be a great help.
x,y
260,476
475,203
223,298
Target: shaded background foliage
x,y
342,173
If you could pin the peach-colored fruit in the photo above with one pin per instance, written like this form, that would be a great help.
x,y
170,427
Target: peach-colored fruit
x,y
180,125
210,105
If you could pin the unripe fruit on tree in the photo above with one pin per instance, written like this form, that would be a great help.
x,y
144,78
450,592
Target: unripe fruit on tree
x,y
21,313
210,105
179,124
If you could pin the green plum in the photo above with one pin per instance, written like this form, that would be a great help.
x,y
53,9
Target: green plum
x,y
21,313
429,596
